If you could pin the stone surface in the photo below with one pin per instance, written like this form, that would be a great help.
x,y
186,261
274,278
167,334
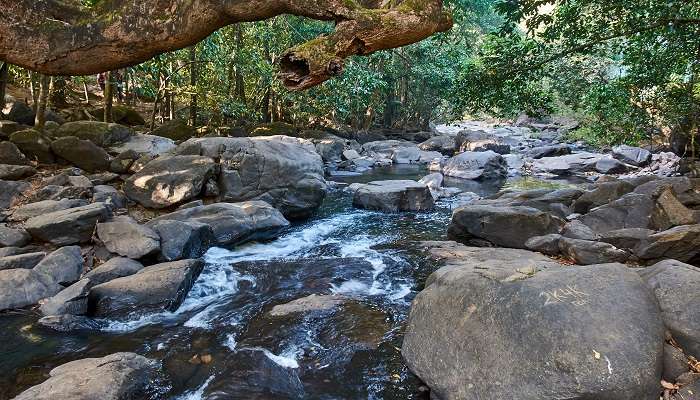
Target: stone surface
x,y
586,252
159,287
444,144
465,332
610,166
577,230
69,323
11,192
306,304
549,151
71,300
11,154
603,193
15,237
15,172
81,153
64,265
30,210
234,223
110,196
167,181
501,226
675,363
34,145
632,155
482,165
144,144
114,268
179,240
118,376
675,286
393,196
125,237
70,226
175,129
681,243
22,260
567,164
628,238
102,134
24,287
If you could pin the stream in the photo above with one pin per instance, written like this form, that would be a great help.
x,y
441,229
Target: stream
x,y
222,343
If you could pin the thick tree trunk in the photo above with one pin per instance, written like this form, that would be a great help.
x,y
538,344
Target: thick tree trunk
x,y
58,92
40,118
109,86
4,77
62,37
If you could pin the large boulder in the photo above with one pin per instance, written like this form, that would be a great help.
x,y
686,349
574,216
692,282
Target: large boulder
x,y
681,243
125,237
393,196
610,166
120,114
15,172
102,134
490,328
507,226
114,268
602,194
157,288
398,151
64,265
19,112
23,260
118,376
586,252
30,210
233,223
566,165
10,154
144,144
167,181
480,165
176,130
549,151
285,172
24,287
34,145
81,153
179,240
11,192
632,155
15,237
72,300
70,226
675,285
444,144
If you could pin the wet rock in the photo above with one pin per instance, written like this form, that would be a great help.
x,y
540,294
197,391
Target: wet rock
x,y
22,260
81,153
24,287
549,151
13,237
144,144
283,171
116,376
586,252
566,165
71,300
610,166
309,303
603,193
680,243
632,155
234,223
10,154
481,165
561,311
675,286
110,196
125,237
675,363
156,288
393,196
501,226
69,323
64,265
444,144
167,181
15,172
629,238
11,192
179,240
102,134
30,210
34,145
116,267
70,226
176,129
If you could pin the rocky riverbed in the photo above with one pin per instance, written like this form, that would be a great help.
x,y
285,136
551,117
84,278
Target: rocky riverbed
x,y
473,261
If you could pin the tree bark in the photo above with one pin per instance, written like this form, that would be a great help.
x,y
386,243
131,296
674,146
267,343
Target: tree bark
x,y
63,37
108,96
4,77
40,118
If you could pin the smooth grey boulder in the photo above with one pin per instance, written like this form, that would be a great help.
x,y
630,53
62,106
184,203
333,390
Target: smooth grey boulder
x,y
476,332
675,286
118,376
549,151
180,240
546,244
610,166
102,134
144,144
110,196
11,192
444,144
24,287
586,252
30,210
507,226
15,172
680,243
10,154
156,288
476,165
283,171
393,196
313,302
34,144
114,268
64,265
603,193
632,155
70,226
81,153
15,237
566,165
577,230
125,237
234,223
175,129
22,260
72,300
628,238
167,181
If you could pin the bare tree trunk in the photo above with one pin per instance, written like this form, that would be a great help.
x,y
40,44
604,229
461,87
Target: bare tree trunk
x,y
33,88
40,118
58,92
193,85
4,77
108,95
86,92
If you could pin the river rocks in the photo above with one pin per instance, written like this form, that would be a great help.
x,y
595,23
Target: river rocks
x,y
64,265
632,155
19,112
102,134
176,130
628,238
159,287
330,149
603,193
144,144
399,151
70,226
21,260
71,300
283,171
566,165
11,192
15,237
465,330
610,166
24,287
306,304
482,165
180,239
81,153
110,196
116,376
123,236
34,145
675,363
444,144
15,172
679,243
10,154
234,223
508,226
586,252
675,286
167,181
393,196
549,151
30,210
114,268
69,323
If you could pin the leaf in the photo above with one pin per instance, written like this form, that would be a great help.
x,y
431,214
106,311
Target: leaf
x,y
596,355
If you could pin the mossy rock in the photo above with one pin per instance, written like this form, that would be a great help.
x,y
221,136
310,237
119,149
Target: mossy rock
x,y
102,134
34,144
177,130
274,128
121,115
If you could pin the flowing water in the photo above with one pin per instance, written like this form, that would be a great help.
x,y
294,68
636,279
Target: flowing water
x,y
222,343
